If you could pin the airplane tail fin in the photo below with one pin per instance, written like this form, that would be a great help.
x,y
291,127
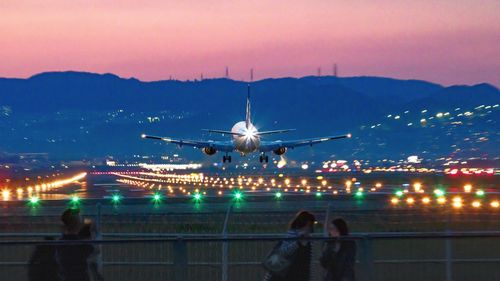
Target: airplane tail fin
x,y
247,116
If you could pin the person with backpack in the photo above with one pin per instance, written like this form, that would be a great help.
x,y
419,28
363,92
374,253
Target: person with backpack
x,y
290,260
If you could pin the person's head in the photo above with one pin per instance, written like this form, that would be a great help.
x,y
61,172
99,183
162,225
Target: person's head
x,y
303,222
338,227
72,220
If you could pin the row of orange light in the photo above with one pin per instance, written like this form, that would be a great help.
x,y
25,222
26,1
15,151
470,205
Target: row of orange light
x,y
201,180
6,193
159,181
457,202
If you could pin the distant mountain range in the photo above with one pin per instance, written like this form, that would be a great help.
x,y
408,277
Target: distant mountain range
x,y
76,114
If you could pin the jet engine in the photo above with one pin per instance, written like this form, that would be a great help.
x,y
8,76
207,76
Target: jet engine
x,y
280,151
209,150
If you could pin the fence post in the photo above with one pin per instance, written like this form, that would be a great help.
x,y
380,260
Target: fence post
x,y
98,221
367,258
449,250
98,236
180,260
327,220
225,246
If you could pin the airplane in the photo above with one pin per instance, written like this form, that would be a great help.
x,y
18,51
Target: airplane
x,y
246,139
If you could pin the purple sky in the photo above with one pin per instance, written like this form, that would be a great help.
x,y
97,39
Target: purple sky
x,y
447,41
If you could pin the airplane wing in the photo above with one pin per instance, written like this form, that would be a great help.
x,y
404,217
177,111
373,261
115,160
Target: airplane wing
x,y
274,132
273,145
222,132
224,146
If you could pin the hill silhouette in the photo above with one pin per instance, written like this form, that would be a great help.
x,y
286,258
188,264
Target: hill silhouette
x,y
79,114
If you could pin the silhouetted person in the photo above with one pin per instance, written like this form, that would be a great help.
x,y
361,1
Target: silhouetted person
x,y
299,252
88,232
43,265
72,259
338,256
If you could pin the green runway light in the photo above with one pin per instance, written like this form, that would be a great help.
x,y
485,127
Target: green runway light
x,y
439,192
116,198
75,199
318,194
156,198
238,196
197,197
34,200
278,195
359,193
480,192
399,193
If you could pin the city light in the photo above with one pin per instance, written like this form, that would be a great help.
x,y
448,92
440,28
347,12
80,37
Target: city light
x,y
410,201
495,204
476,204
467,188
426,200
394,200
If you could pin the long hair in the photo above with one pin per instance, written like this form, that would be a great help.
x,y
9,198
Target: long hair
x,y
341,226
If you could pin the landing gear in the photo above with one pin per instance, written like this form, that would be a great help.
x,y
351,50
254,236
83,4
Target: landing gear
x,y
264,158
226,158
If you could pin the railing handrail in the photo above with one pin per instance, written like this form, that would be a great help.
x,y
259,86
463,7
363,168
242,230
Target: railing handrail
x,y
251,237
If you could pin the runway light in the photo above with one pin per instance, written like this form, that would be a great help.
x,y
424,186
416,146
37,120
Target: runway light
x,y
457,204
318,194
116,198
439,192
410,201
358,194
476,204
278,195
399,193
480,193
156,197
441,200
197,197
495,204
394,200
426,200
238,196
467,188
34,200
75,199
6,194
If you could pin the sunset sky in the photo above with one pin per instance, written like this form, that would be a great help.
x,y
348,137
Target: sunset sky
x,y
447,41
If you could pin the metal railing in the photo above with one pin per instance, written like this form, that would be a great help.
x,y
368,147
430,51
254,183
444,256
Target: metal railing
x,y
223,255
241,254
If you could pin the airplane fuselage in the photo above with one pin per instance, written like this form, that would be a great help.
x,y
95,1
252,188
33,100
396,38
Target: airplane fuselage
x,y
246,140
